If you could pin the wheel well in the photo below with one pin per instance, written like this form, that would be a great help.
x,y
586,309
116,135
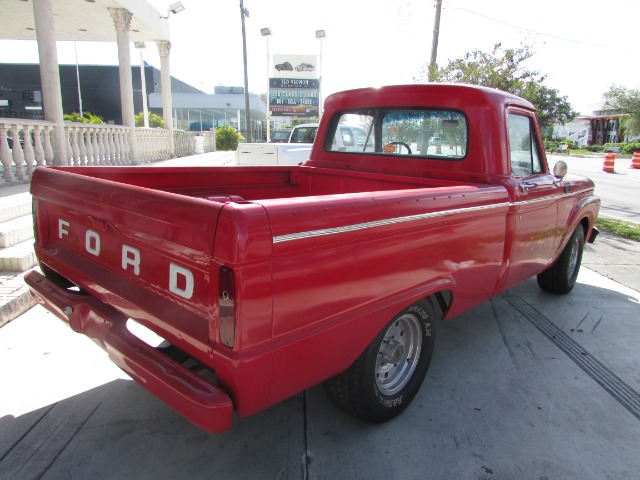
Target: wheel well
x,y
590,232
442,300
585,226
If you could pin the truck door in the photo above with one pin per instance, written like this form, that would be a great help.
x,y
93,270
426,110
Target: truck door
x,y
535,201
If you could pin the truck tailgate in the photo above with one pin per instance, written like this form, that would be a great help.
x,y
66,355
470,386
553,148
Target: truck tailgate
x,y
145,252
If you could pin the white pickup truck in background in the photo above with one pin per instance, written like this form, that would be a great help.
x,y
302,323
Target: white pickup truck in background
x,y
348,138
296,151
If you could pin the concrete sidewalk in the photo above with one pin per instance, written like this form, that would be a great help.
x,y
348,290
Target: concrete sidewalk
x,y
526,386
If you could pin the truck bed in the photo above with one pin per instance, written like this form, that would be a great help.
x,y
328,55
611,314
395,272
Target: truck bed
x,y
239,184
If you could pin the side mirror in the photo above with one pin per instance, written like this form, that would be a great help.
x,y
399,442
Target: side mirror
x,y
560,170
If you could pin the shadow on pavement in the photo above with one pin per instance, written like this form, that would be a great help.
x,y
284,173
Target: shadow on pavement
x,y
119,430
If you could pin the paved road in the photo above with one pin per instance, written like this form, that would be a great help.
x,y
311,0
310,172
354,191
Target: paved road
x,y
618,191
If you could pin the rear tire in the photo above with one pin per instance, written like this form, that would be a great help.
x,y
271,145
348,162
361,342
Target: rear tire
x,y
562,275
387,376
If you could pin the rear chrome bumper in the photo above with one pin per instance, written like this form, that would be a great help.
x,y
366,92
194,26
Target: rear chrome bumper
x,y
202,403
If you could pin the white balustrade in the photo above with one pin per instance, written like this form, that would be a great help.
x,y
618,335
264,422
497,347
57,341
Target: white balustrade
x,y
209,141
26,144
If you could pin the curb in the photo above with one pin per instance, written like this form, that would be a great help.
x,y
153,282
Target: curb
x,y
14,295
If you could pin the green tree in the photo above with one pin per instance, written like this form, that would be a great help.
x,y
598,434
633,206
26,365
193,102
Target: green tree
x,y
625,101
227,138
503,69
155,120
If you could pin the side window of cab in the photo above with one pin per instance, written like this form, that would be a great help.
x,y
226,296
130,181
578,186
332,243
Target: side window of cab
x,y
524,152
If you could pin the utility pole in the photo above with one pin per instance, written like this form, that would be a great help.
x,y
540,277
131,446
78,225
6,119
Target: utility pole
x,y
434,44
247,113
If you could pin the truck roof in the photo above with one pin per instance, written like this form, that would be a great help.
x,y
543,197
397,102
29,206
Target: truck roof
x,y
434,94
483,107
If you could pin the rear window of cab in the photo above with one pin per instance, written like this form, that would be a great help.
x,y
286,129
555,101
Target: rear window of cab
x,y
441,134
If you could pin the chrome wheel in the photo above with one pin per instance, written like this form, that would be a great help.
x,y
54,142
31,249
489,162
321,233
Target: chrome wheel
x,y
398,354
574,256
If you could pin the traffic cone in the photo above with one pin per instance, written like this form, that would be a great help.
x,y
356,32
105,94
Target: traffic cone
x,y
635,160
609,162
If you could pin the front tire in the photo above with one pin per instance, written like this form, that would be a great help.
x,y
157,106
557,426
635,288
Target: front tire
x,y
387,376
562,275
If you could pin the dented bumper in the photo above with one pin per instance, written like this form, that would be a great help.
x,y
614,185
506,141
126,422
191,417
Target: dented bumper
x,y
204,404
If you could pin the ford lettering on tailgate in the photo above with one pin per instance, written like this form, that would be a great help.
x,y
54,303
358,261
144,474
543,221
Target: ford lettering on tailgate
x,y
115,253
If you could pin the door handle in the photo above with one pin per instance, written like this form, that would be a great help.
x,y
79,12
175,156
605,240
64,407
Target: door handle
x,y
526,186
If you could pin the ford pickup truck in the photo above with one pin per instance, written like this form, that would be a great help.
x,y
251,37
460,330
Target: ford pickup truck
x,y
261,282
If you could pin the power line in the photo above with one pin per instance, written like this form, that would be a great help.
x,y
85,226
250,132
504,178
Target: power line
x,y
530,30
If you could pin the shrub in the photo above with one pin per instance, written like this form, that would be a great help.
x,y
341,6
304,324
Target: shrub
x,y
155,120
631,147
227,138
88,117
553,146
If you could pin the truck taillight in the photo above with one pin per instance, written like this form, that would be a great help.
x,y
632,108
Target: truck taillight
x,y
227,309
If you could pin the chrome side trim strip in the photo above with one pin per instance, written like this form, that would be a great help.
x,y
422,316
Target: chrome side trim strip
x,y
392,221
378,223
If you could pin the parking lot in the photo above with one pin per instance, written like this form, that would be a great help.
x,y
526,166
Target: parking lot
x,y
526,386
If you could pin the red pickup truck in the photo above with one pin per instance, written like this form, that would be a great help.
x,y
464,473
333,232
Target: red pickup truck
x,y
265,281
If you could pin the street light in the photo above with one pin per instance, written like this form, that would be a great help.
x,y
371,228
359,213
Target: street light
x,y
78,78
174,8
145,109
320,35
266,32
247,113
433,66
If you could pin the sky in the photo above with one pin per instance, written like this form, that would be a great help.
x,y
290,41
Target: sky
x,y
583,46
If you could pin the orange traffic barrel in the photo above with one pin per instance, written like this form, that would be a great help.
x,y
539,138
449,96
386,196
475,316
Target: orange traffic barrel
x,y
609,162
635,160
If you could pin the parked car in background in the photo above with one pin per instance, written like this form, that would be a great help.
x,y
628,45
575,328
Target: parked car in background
x,y
304,133
293,151
281,136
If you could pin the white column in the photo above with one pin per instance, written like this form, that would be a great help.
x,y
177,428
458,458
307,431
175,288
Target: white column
x,y
164,48
50,76
122,21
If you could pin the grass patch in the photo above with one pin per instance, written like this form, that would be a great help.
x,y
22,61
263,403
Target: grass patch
x,y
628,230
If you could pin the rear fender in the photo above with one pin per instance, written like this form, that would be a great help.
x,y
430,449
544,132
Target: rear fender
x,y
331,348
